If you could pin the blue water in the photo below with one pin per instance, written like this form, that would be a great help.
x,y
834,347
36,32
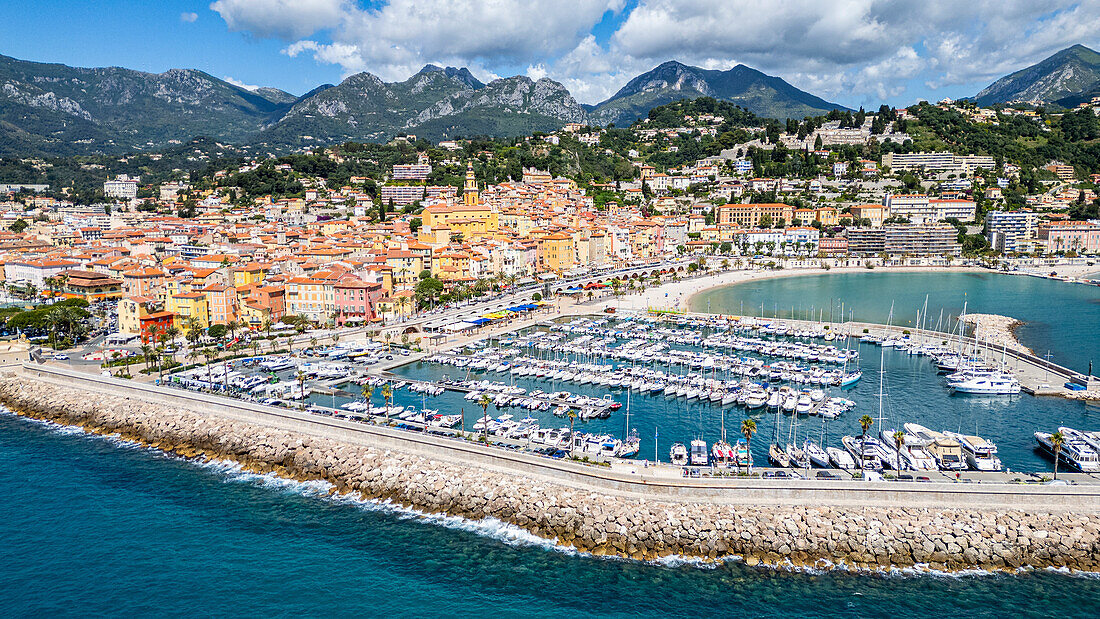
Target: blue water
x,y
1058,317
914,393
93,527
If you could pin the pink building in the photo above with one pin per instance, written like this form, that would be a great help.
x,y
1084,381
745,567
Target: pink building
x,y
355,300
1079,236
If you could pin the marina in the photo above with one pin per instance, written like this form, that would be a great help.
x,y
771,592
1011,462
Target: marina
x,y
596,386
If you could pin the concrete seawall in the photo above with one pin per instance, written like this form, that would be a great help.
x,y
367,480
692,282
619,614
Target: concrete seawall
x,y
944,526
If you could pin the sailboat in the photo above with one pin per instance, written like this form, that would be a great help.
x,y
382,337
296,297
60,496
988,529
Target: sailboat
x,y
722,451
847,379
631,443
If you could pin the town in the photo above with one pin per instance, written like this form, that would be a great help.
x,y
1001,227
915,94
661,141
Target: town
x,y
249,245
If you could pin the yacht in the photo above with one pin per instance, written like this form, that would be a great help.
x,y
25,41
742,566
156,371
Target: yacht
x,y
865,452
722,452
678,454
1077,451
840,459
698,455
818,456
980,454
913,454
777,456
741,454
993,383
946,450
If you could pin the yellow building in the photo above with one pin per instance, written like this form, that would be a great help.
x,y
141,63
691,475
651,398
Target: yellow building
x,y
247,274
187,306
469,219
555,253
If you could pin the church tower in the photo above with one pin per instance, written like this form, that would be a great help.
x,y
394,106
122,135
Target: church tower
x,y
470,195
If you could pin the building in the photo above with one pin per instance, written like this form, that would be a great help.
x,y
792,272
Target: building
x,y
873,213
1079,236
470,195
91,286
122,187
402,195
188,307
947,162
751,215
1062,171
35,272
1011,231
918,240
418,171
356,300
921,209
138,315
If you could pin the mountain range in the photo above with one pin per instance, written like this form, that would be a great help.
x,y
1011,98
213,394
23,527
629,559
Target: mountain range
x,y
1066,78
54,109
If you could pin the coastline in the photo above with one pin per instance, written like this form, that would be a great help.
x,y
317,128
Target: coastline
x,y
599,522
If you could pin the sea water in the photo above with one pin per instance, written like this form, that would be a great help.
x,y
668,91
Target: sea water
x,y
1060,318
96,526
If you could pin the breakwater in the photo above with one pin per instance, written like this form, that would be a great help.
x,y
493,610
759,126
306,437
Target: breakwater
x,y
591,519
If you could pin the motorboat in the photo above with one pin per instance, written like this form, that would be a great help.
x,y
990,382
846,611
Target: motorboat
x,y
994,383
840,458
980,454
698,455
864,451
946,450
678,454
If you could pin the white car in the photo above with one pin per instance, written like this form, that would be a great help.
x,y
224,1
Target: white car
x,y
60,356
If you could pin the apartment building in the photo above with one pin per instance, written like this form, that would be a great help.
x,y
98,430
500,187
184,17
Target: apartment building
x,y
911,239
947,162
1011,231
750,215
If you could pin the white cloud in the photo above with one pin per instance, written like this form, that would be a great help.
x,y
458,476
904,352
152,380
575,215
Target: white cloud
x,y
285,19
240,84
189,18
852,50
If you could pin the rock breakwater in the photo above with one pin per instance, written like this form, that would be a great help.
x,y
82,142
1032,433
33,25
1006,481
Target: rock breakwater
x,y
997,330
591,521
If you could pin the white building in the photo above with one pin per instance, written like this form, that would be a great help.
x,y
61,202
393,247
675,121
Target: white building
x,y
1011,231
122,187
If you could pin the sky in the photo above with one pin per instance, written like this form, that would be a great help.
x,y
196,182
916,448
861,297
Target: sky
x,y
852,52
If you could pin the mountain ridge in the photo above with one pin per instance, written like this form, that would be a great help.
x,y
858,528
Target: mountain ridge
x,y
1063,75
52,108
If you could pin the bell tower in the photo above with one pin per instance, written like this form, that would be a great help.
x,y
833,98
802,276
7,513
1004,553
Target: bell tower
x,y
470,196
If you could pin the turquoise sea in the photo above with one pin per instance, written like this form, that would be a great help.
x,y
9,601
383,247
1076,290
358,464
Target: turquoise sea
x,y
95,527
1058,317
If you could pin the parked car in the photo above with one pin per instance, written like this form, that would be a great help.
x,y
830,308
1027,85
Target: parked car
x,y
60,356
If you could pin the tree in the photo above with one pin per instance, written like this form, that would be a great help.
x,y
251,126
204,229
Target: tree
x,y
748,428
899,440
1057,441
484,401
301,377
387,398
572,414
18,226
864,425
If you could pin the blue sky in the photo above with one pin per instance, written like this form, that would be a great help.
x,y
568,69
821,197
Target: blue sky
x,y
854,52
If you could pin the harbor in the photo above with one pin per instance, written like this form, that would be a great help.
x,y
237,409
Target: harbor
x,y
595,387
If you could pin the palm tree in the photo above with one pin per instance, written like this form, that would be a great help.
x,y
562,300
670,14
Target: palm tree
x,y
864,425
748,428
1057,440
232,327
387,395
572,417
368,391
301,377
484,401
899,440
313,343
402,301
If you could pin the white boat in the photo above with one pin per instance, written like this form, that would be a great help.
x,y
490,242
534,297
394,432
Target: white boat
x,y
980,454
864,451
946,450
996,383
818,456
678,454
698,455
840,458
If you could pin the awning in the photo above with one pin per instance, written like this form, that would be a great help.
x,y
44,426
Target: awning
x,y
478,321
459,326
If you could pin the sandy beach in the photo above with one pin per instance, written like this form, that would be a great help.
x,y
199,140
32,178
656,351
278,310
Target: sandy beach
x,y
677,295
